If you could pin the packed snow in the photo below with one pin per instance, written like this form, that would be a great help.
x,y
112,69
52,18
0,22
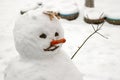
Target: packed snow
x,y
68,8
98,59
115,14
93,13
39,49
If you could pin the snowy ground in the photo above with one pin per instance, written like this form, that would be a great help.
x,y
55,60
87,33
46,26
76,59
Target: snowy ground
x,y
99,58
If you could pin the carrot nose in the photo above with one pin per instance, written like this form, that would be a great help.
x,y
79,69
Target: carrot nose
x,y
54,42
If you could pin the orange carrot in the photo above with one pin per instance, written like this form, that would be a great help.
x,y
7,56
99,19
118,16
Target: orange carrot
x,y
54,42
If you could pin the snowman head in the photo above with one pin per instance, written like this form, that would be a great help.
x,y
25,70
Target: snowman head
x,y
36,35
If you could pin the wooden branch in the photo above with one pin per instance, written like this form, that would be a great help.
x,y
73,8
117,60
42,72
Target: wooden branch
x,y
52,15
83,43
95,31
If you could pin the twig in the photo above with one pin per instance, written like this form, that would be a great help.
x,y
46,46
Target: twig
x,y
95,31
83,44
52,15
102,35
101,15
100,18
97,26
93,27
100,26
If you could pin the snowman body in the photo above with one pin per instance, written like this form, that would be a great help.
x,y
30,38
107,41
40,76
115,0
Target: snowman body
x,y
57,67
38,59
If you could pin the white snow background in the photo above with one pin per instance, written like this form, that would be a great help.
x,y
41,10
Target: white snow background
x,y
98,59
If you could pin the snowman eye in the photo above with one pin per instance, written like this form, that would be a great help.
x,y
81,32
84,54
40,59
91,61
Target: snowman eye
x,y
56,34
43,35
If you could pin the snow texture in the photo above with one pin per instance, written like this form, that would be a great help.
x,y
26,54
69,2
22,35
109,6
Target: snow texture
x,y
93,13
115,14
68,8
33,33
99,59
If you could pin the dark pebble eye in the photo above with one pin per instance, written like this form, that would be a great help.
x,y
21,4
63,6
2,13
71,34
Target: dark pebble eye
x,y
43,35
56,34
22,12
40,4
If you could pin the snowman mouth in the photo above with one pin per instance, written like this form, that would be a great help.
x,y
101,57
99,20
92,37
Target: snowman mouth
x,y
51,48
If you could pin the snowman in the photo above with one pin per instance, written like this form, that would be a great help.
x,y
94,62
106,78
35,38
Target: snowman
x,y
38,37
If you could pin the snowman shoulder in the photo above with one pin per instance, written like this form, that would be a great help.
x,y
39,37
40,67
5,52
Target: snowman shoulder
x,y
17,69
11,70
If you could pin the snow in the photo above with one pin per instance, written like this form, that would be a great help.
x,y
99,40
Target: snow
x,y
98,59
93,13
26,35
114,15
68,8
39,49
43,69
29,6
